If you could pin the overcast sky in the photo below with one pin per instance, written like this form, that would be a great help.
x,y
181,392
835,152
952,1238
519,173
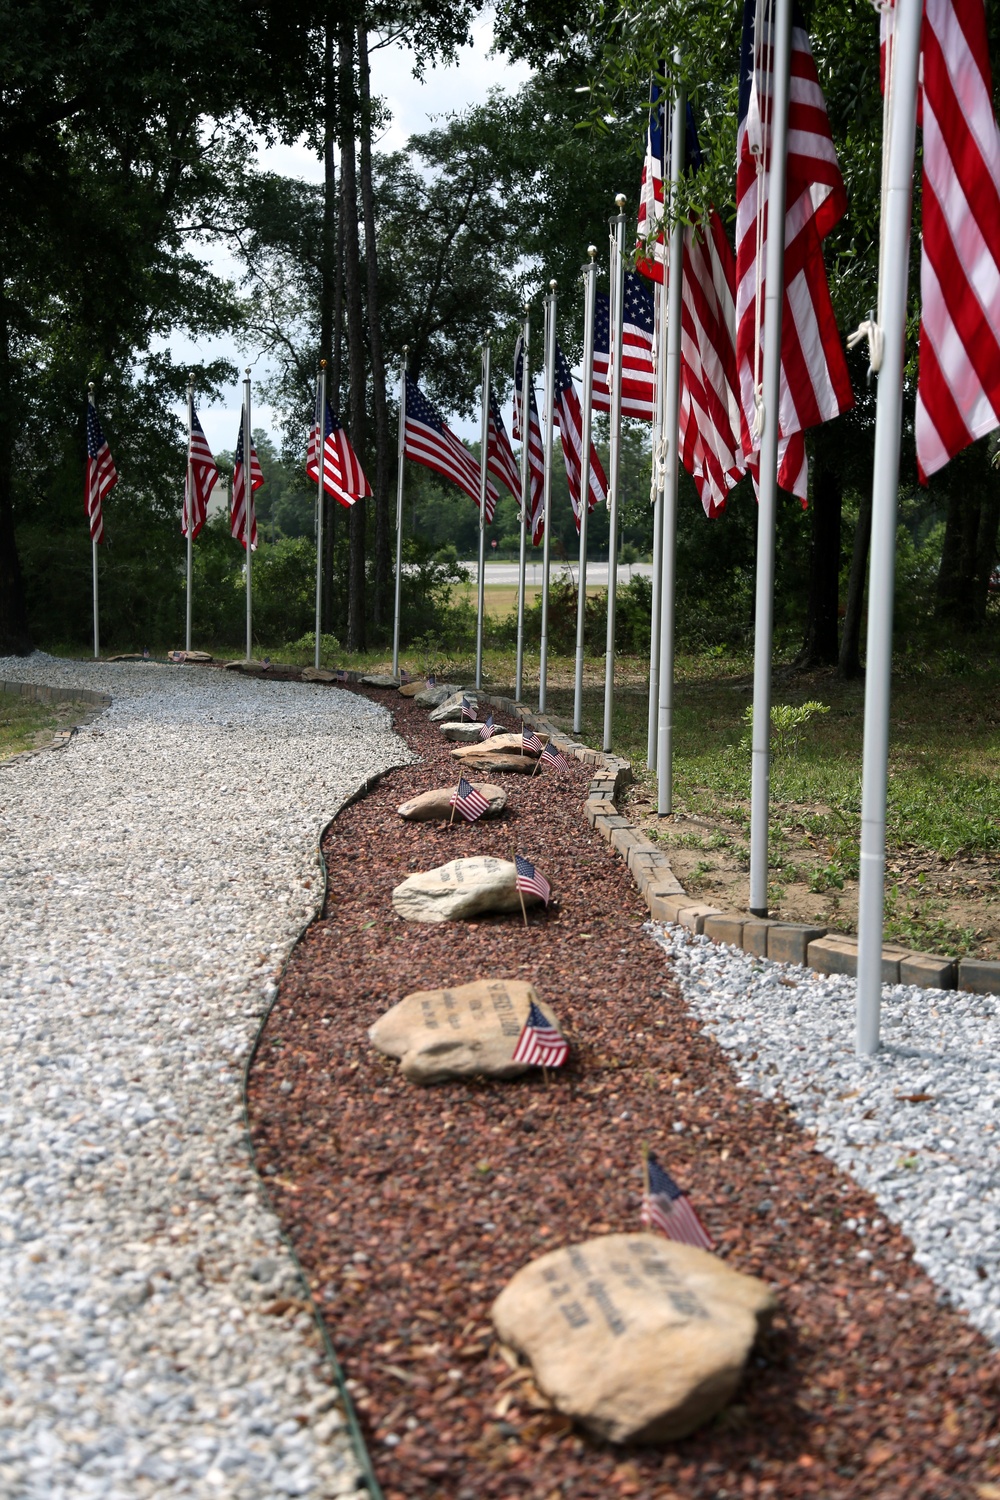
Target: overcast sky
x,y
414,106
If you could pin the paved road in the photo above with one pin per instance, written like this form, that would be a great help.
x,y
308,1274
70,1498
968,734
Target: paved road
x,y
597,572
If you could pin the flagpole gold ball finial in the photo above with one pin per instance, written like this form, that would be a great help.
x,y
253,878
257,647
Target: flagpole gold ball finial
x,y
322,364
620,200
591,251
553,284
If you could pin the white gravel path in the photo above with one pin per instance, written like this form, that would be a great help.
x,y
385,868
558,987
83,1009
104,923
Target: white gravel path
x,y
153,876
932,1165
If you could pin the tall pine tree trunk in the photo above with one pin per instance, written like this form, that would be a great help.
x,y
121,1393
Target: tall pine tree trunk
x,y
383,438
969,552
850,643
819,648
15,637
355,326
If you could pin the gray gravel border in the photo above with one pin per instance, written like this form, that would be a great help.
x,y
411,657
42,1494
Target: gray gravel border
x,y
153,878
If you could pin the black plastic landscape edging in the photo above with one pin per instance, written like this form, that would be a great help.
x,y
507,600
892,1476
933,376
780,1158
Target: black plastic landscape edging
x,y
368,1478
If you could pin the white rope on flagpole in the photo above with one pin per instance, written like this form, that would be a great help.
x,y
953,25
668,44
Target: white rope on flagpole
x,y
614,457
189,516
525,497
780,50
550,420
589,303
896,210
483,486
671,479
247,507
320,445
871,328
400,453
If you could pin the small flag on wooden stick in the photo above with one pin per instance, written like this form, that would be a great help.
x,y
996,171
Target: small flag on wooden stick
x,y
541,1043
529,881
554,758
530,743
667,1208
470,710
487,729
469,801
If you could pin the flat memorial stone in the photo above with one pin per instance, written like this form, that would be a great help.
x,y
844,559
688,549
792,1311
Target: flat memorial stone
x,y
474,758
430,697
463,734
317,674
380,679
411,689
437,804
503,742
450,709
463,1032
638,1338
461,888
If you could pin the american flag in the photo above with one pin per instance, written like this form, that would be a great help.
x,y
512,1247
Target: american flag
x,y
487,729
569,419
529,881
638,374
958,384
666,1207
429,441
554,758
238,526
541,1044
470,710
815,385
500,455
469,801
101,475
530,743
536,451
343,476
649,247
199,480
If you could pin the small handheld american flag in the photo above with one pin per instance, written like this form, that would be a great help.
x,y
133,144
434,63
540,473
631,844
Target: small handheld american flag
x,y
554,758
529,881
540,1043
530,743
667,1208
469,801
470,710
488,729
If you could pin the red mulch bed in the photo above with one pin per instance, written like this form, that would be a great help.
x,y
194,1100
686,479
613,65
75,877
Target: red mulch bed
x,y
410,1208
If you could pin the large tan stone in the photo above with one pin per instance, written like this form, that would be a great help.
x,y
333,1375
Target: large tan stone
x,y
430,697
380,680
411,689
461,888
500,744
317,674
458,1033
437,804
491,762
637,1338
450,709
462,733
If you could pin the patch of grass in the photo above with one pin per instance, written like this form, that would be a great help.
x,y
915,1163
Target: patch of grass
x,y
25,724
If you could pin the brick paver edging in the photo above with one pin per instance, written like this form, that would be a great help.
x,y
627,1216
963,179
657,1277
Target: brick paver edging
x,y
40,694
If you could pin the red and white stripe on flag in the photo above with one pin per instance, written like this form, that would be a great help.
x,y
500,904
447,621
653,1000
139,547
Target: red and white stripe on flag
x,y
343,477
199,480
238,525
675,1218
500,460
536,451
710,446
540,1044
427,440
958,385
569,420
815,385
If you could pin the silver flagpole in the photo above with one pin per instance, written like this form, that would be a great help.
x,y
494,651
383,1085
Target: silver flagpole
x,y
550,419
774,274
189,514
656,501
320,442
400,454
247,505
525,497
589,301
614,462
671,473
484,480
93,554
885,485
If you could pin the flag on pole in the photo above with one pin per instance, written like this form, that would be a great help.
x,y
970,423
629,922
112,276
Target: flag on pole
x,y
530,743
815,385
536,450
469,801
470,710
240,500
650,253
429,441
540,1043
199,481
638,373
343,476
500,455
666,1207
101,476
529,881
487,729
958,384
569,419
554,758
